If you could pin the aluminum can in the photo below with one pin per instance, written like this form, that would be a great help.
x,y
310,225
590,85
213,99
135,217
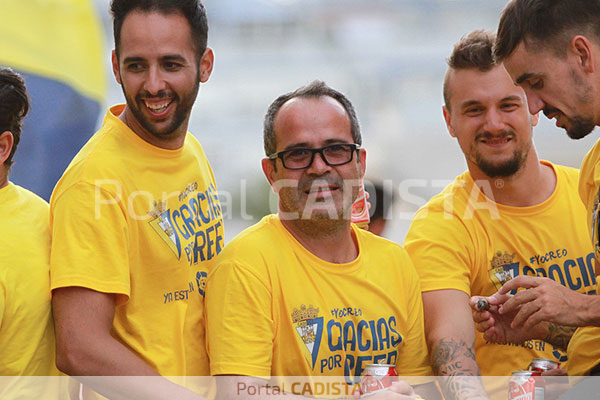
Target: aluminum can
x,y
526,385
360,208
543,364
377,378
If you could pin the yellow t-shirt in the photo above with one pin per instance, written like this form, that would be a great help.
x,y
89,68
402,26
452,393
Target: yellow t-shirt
x,y
26,326
275,309
584,347
144,223
463,240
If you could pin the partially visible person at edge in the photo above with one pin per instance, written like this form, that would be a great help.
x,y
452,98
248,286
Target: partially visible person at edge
x,y
26,327
496,221
305,293
552,50
135,219
382,200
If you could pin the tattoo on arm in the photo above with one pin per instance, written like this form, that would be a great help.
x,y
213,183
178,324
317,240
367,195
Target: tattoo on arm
x,y
559,335
456,361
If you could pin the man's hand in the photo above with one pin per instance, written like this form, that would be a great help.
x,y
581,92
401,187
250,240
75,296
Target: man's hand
x,y
557,383
546,300
497,328
500,328
400,390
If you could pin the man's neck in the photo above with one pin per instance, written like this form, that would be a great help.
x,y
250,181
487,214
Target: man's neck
x,y
3,177
172,142
330,240
532,184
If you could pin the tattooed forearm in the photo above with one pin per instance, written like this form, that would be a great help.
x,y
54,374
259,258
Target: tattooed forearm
x,y
455,360
559,335
448,355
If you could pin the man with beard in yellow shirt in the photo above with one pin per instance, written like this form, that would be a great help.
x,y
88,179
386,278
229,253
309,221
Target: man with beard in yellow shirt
x,y
498,220
136,221
552,50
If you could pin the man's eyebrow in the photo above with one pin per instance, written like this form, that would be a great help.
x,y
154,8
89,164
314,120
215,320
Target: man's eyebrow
x,y
173,57
168,57
133,59
306,145
302,145
512,98
469,103
524,77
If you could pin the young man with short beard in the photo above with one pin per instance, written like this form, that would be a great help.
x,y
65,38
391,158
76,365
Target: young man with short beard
x,y
510,214
552,50
135,219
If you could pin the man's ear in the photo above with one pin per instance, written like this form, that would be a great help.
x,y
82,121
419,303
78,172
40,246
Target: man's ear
x,y
268,167
448,119
115,66
362,160
584,51
535,118
6,144
206,64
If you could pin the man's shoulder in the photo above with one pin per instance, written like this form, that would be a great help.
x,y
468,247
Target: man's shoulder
x,y
257,242
21,202
447,216
592,159
388,253
31,199
392,260
450,206
565,172
373,243
590,176
255,252
98,158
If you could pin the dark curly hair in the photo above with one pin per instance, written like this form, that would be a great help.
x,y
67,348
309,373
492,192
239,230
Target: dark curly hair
x,y
14,105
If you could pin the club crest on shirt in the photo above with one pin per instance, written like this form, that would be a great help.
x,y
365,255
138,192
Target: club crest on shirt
x,y
500,273
309,327
201,277
594,225
161,224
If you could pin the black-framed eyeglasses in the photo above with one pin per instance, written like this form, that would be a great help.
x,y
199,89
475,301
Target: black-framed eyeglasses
x,y
333,154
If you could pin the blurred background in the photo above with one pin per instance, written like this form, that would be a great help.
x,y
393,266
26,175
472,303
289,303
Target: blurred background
x,y
387,56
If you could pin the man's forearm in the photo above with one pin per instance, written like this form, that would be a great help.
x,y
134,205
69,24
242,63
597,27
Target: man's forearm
x,y
559,335
140,380
138,387
455,361
592,315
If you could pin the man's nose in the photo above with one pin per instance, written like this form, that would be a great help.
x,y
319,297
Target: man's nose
x,y
534,102
155,81
318,166
494,121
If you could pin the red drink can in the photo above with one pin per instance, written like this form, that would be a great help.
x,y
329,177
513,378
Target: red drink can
x,y
543,364
360,208
526,385
377,378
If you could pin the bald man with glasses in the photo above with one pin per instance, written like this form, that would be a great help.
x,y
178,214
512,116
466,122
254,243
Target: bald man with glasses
x,y
305,292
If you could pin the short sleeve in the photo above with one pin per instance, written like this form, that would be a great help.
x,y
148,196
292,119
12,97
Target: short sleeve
x,y
440,248
239,322
89,240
